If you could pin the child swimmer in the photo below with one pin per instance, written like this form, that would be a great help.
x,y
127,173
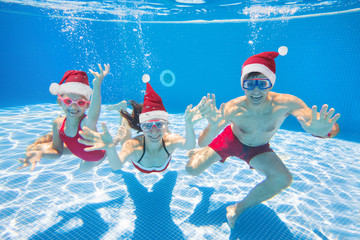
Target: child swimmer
x,y
73,93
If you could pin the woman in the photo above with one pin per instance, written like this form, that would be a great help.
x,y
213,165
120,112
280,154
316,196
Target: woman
x,y
151,151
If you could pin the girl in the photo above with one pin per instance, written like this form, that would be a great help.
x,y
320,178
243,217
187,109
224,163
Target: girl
x,y
73,93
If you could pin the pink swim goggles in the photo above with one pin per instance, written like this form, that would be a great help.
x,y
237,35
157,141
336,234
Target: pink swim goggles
x,y
69,101
148,126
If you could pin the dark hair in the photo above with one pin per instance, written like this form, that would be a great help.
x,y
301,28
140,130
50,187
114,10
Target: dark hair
x,y
253,75
133,119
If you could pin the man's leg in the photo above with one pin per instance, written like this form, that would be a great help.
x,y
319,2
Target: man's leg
x,y
277,176
201,159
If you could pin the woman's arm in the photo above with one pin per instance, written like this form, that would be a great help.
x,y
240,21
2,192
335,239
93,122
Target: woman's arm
x,y
216,121
103,141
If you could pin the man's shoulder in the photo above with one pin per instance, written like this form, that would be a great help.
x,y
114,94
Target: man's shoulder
x,y
235,106
237,101
283,98
287,100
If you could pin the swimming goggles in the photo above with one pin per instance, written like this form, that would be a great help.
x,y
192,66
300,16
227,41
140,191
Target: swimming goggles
x,y
69,101
262,83
147,126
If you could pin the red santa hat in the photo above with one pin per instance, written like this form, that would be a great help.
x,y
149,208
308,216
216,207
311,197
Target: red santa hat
x,y
73,81
263,63
153,107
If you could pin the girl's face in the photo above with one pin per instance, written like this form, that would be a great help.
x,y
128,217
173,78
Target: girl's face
x,y
73,105
154,129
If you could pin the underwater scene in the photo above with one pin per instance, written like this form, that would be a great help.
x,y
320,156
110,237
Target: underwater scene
x,y
186,49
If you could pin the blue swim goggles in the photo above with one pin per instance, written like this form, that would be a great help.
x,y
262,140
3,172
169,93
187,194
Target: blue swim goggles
x,y
262,83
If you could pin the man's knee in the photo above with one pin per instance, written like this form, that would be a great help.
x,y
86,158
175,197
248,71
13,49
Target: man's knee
x,y
199,160
283,180
191,169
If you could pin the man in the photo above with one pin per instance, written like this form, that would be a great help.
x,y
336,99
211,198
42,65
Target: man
x,y
252,120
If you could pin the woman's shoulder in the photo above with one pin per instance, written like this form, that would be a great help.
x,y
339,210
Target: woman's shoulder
x,y
170,137
131,149
134,142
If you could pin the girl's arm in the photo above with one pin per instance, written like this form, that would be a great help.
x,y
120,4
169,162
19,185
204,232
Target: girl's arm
x,y
54,151
95,103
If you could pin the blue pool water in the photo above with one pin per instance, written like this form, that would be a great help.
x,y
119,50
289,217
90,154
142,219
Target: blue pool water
x,y
56,201
203,43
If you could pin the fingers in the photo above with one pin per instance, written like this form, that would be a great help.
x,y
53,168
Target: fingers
x,y
23,162
96,75
107,68
335,118
222,109
23,166
86,142
329,114
314,112
87,131
205,110
26,163
323,111
203,100
213,99
101,70
33,165
207,104
188,109
93,148
87,135
105,129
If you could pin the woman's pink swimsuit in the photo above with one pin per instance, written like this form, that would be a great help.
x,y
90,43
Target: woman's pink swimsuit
x,y
77,148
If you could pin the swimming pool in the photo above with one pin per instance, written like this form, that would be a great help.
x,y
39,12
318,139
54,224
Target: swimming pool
x,y
56,201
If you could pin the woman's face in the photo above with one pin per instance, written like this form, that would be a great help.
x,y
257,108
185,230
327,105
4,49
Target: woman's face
x,y
154,129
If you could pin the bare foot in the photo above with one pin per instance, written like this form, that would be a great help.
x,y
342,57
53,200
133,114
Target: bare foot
x,y
118,107
231,215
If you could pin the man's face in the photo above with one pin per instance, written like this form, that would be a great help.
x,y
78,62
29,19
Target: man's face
x,y
256,88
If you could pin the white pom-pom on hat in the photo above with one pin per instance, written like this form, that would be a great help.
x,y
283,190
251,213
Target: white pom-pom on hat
x,y
283,50
146,78
54,88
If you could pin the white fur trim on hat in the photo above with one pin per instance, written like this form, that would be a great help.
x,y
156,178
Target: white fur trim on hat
x,y
71,87
153,115
256,67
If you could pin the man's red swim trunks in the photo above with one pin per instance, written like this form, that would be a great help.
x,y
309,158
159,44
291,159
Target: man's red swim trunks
x,y
226,144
